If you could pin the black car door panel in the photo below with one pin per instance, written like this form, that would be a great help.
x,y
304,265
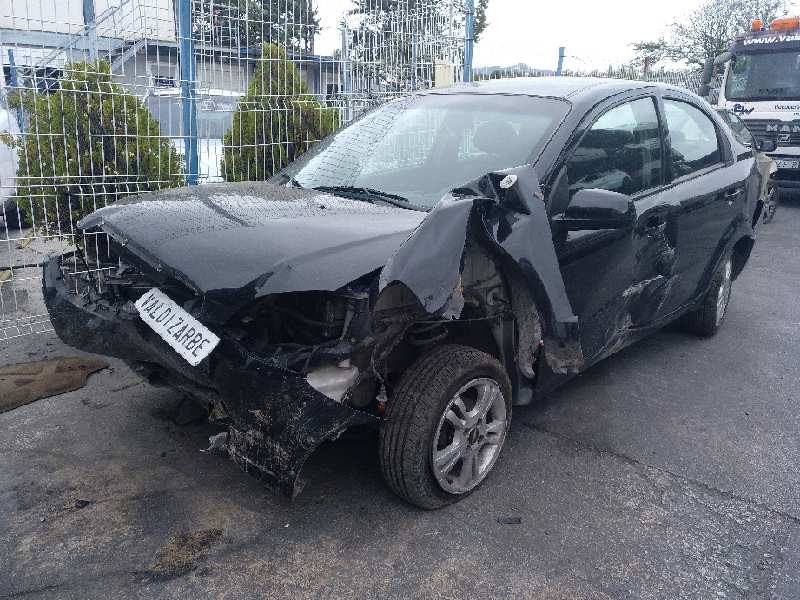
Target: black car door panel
x,y
617,280
705,187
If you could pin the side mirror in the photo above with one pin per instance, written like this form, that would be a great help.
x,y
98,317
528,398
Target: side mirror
x,y
767,145
594,209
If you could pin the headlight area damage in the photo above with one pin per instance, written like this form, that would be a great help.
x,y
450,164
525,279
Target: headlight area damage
x,y
315,342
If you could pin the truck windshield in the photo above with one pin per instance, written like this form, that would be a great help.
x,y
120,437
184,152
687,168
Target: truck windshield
x,y
768,76
421,147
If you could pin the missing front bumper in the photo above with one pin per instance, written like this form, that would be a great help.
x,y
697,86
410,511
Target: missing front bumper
x,y
276,418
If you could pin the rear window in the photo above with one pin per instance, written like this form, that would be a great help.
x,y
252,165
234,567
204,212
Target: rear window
x,y
695,144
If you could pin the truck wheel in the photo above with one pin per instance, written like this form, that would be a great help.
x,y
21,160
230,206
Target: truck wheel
x,y
445,426
707,319
770,204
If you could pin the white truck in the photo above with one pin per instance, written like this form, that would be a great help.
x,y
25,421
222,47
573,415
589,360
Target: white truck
x,y
761,86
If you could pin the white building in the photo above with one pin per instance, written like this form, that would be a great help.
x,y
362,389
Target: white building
x,y
139,39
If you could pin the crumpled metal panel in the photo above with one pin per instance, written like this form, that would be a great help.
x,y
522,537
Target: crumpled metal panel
x,y
243,241
505,211
278,421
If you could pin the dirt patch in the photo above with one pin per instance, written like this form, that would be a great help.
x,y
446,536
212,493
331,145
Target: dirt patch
x,y
27,382
181,554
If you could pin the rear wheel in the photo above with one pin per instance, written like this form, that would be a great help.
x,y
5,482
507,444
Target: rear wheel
x,y
445,426
770,204
707,319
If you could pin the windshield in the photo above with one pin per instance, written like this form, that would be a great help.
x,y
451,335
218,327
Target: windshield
x,y
421,147
768,76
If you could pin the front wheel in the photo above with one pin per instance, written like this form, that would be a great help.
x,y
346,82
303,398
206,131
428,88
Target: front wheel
x,y
707,319
445,426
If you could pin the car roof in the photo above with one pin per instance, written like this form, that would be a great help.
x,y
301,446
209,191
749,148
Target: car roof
x,y
569,88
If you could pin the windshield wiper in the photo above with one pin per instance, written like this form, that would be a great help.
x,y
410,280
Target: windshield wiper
x,y
369,194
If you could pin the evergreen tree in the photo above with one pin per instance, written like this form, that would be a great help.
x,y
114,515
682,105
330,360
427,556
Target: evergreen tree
x,y
275,122
251,23
87,144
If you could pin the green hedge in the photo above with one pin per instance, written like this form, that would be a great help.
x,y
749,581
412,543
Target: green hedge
x,y
275,122
86,145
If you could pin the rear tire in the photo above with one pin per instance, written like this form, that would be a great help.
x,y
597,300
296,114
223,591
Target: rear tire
x,y
770,204
706,320
435,447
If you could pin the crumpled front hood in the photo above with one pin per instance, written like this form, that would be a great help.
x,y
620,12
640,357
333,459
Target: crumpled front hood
x,y
272,238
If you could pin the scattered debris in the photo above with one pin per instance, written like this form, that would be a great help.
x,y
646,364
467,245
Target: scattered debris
x,y
24,383
509,520
181,553
217,442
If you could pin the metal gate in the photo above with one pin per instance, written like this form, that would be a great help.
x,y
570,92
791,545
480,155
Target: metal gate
x,y
100,102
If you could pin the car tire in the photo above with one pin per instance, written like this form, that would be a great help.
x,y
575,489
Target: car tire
x,y
770,204
433,422
706,320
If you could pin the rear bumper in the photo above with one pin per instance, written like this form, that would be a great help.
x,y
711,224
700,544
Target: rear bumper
x,y
276,419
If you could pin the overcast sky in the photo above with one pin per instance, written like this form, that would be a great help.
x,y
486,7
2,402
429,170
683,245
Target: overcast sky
x,y
596,33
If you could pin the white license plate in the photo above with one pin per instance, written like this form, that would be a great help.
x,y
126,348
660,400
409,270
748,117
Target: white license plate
x,y
185,334
788,164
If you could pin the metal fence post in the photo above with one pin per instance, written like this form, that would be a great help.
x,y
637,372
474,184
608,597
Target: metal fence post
x,y
188,91
91,27
469,39
344,65
12,68
560,66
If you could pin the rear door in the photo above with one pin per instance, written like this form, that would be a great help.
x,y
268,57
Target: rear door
x,y
706,188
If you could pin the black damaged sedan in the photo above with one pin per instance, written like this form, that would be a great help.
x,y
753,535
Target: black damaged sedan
x,y
446,256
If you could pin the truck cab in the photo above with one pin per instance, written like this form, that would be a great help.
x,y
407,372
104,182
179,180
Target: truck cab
x,y
761,85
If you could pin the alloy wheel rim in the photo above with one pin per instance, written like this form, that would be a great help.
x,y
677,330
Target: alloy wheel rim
x,y
470,434
724,291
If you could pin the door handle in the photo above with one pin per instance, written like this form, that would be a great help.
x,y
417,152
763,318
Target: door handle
x,y
731,193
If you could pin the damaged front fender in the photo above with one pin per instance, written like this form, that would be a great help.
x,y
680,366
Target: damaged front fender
x,y
505,212
278,421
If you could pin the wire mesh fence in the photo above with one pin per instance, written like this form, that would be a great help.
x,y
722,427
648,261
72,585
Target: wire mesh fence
x,y
688,79
102,99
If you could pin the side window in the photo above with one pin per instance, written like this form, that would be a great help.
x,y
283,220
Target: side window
x,y
738,127
694,138
621,152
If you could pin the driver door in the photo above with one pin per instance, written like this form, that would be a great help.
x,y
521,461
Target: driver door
x,y
617,279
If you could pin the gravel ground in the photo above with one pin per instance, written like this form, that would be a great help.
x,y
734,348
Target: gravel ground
x,y
668,471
